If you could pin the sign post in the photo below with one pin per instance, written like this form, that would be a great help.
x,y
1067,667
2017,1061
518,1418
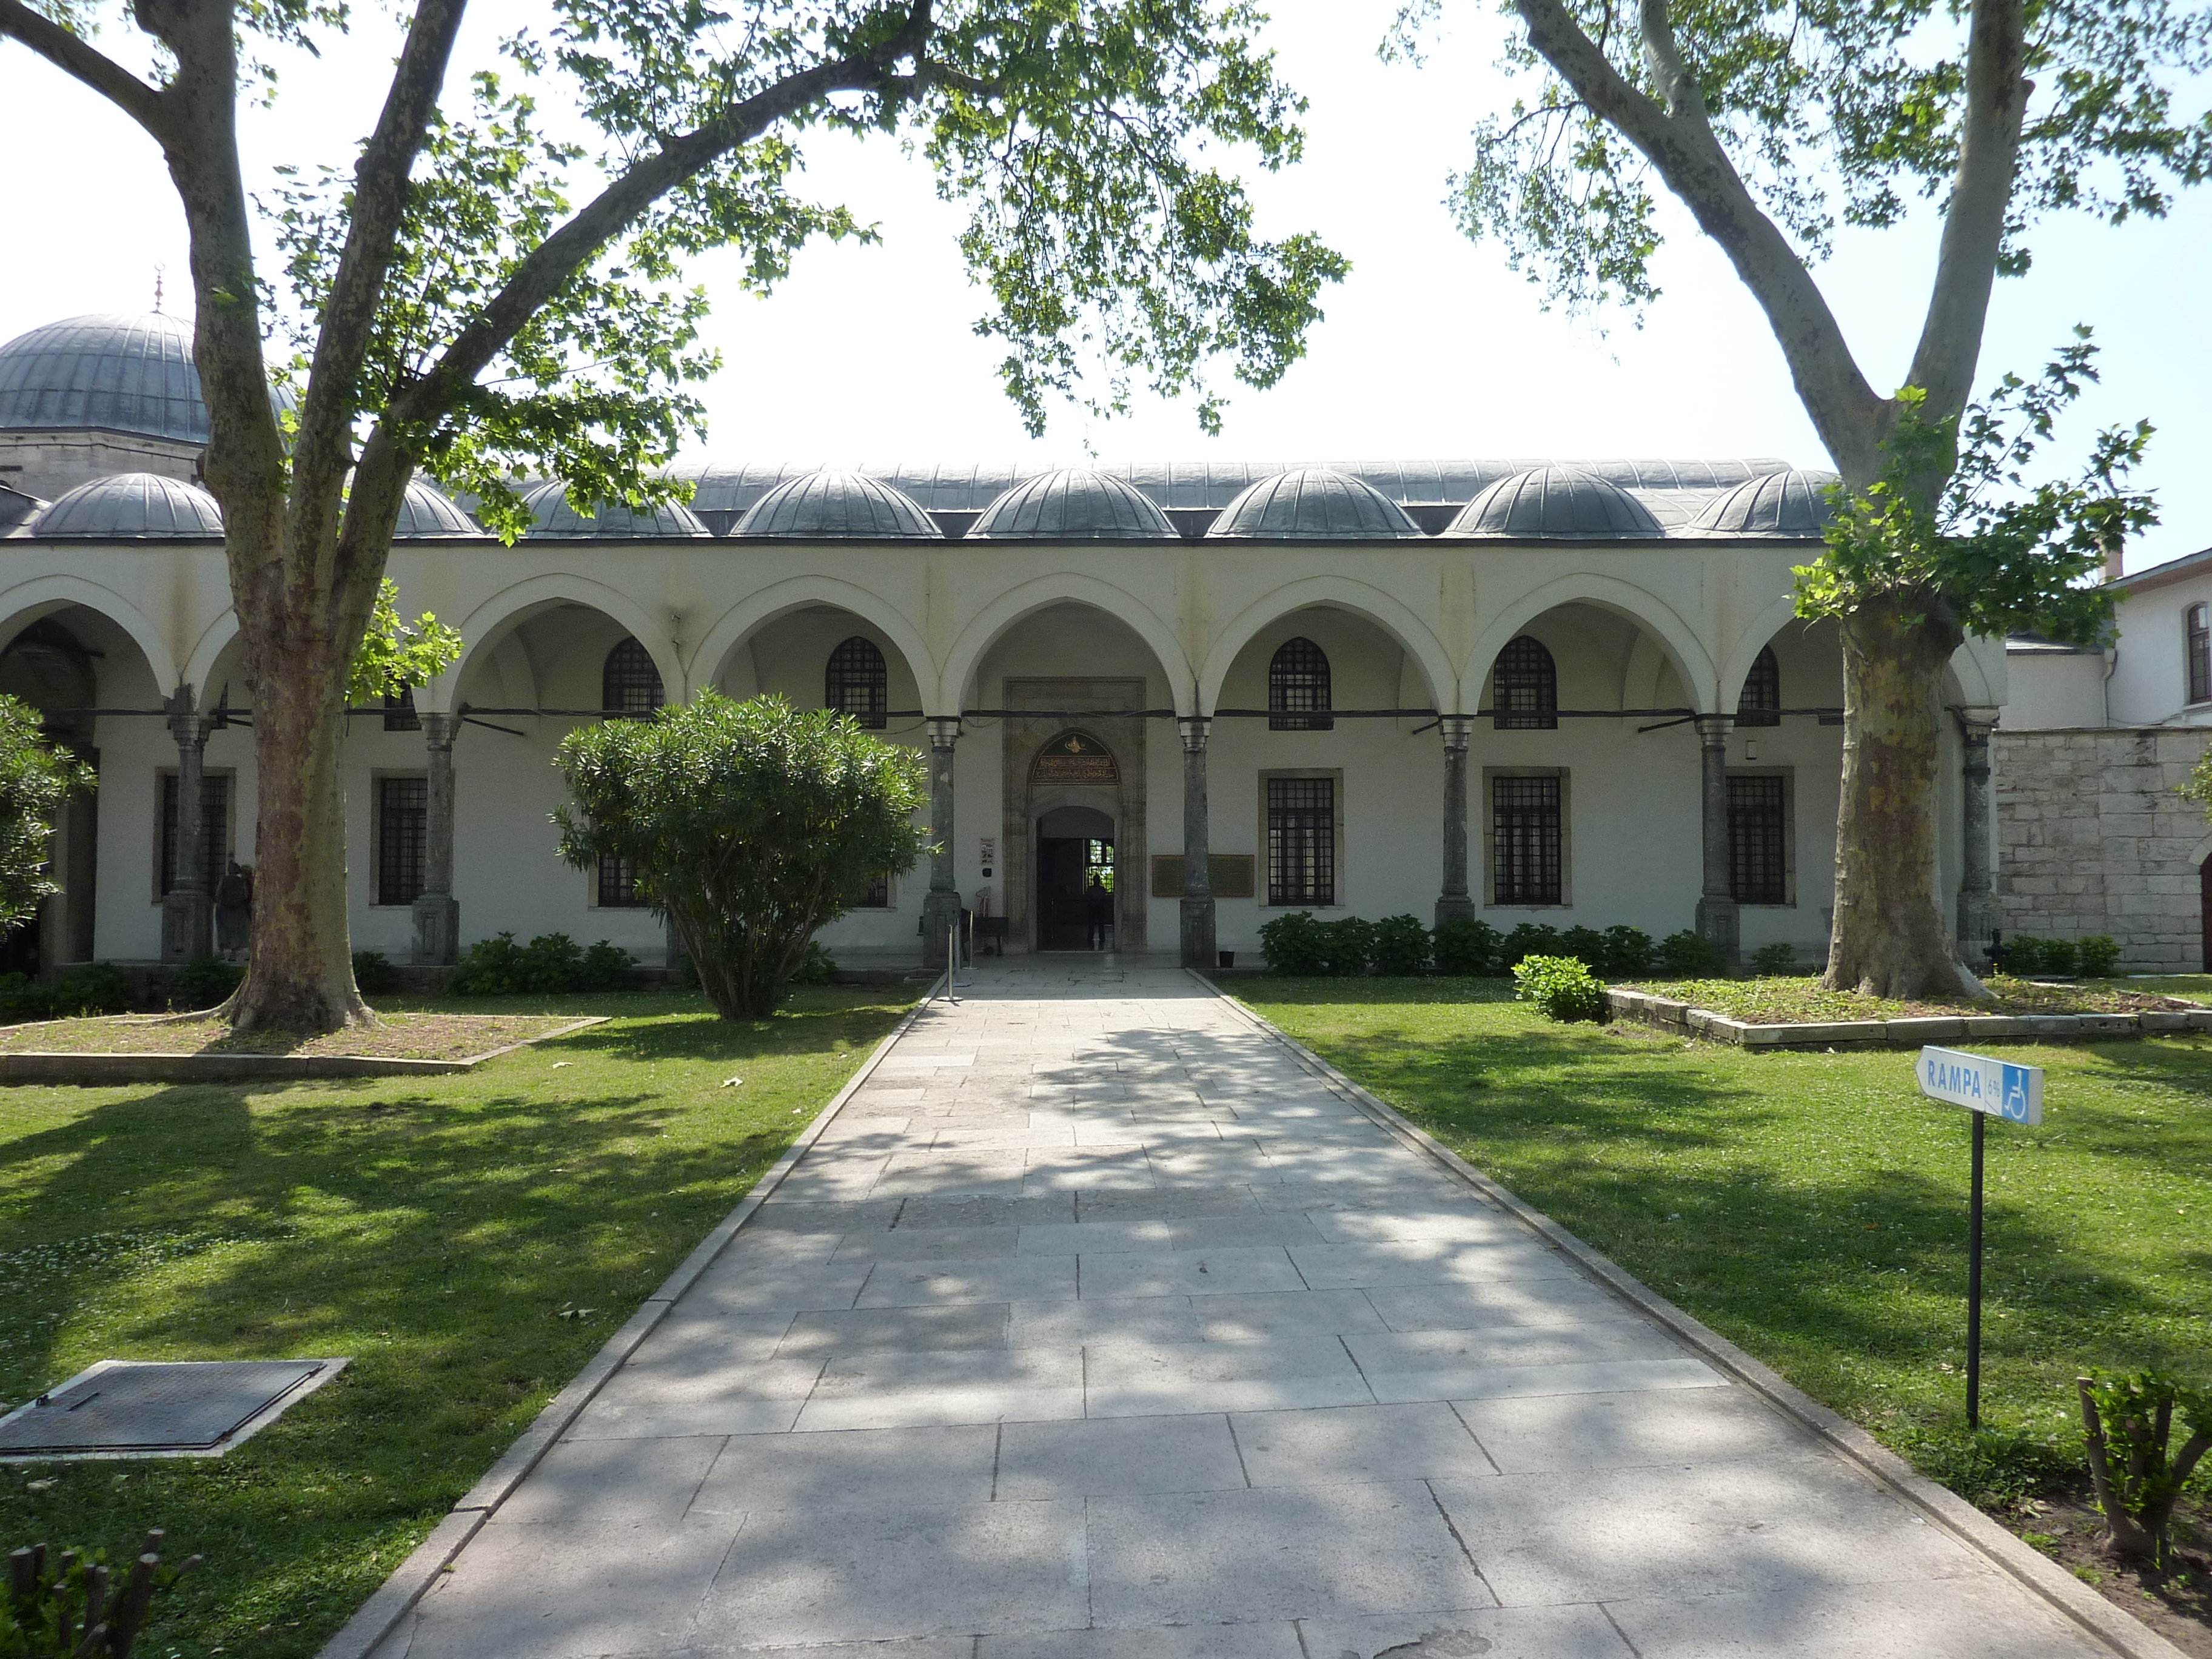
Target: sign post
x,y
1986,1088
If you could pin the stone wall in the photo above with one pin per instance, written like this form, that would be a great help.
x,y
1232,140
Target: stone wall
x,y
2092,839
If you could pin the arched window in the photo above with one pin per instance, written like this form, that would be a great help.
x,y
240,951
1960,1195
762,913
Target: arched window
x,y
1524,687
857,683
630,684
2196,640
1298,689
1761,702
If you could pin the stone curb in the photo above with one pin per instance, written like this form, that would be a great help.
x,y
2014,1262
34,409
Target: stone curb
x,y
2067,1594
93,1070
1669,1014
380,1614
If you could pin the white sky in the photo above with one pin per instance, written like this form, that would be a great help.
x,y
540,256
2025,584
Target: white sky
x,y
1431,348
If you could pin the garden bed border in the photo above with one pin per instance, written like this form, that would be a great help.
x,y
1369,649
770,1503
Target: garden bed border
x,y
1684,1019
93,1069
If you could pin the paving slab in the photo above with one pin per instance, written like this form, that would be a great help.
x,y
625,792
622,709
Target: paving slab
x,y
1102,1325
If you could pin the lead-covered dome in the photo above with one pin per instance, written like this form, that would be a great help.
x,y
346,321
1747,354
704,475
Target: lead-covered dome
x,y
131,507
1555,502
1313,503
835,504
1794,504
426,513
119,373
553,517
1073,504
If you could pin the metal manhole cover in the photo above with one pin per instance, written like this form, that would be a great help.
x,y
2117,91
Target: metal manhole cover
x,y
129,1407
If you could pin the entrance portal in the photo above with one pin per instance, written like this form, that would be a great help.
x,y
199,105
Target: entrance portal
x,y
1075,880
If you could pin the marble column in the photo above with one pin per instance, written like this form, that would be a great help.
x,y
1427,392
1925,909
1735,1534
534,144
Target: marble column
x,y
940,908
1977,900
187,909
1199,950
1716,910
1455,903
437,912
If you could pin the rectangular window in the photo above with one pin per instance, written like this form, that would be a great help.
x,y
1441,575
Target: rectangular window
x,y
403,820
876,895
215,829
1302,840
617,884
2200,653
1759,839
1527,840
399,714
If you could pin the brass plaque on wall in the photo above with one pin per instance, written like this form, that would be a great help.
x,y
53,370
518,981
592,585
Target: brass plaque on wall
x,y
1076,757
1233,874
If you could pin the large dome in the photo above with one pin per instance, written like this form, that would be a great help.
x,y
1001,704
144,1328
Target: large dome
x,y
1780,504
834,504
427,514
131,507
554,518
1073,504
1555,501
124,374
1313,503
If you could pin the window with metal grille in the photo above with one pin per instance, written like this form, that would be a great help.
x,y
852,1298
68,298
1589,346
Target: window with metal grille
x,y
618,883
403,822
1298,698
856,683
215,829
1526,862
1760,704
399,712
2200,653
876,895
1524,687
630,684
1759,841
1301,841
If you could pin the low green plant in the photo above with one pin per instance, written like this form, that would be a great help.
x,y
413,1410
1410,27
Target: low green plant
x,y
1628,951
1563,986
1686,954
1294,945
1776,961
2023,953
1586,945
1467,947
2095,956
373,975
1347,946
552,964
93,988
816,967
23,999
204,982
1529,938
1401,945
73,1609
489,968
2127,1423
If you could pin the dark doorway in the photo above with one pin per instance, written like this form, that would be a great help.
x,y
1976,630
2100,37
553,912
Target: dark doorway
x,y
1075,880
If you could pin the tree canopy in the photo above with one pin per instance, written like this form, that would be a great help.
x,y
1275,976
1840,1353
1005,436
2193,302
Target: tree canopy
x,y
35,779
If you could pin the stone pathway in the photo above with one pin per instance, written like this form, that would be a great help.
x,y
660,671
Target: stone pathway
x,y
1095,1326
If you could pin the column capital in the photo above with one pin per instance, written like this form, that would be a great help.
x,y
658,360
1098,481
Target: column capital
x,y
439,731
1976,722
1194,729
1457,729
1715,728
944,730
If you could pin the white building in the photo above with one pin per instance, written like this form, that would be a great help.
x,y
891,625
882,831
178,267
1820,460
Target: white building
x,y
1515,689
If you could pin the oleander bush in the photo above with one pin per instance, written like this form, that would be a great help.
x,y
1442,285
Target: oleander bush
x,y
1563,986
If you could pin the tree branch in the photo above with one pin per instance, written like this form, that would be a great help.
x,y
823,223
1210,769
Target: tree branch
x,y
1850,417
1981,189
75,56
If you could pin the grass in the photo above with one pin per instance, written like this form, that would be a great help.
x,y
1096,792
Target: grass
x,y
1813,1207
1775,1000
417,1035
469,1241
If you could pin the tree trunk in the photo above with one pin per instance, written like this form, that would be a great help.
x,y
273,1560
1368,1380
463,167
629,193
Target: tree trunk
x,y
1890,938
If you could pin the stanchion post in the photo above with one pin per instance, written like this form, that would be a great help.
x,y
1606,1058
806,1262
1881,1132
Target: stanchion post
x,y
1974,1285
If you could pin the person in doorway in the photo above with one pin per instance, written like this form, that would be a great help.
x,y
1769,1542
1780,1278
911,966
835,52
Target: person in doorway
x,y
233,911
1098,911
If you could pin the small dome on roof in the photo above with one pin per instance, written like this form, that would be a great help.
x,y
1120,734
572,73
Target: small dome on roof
x,y
1779,504
553,516
1563,501
426,513
835,503
1075,505
131,507
1313,503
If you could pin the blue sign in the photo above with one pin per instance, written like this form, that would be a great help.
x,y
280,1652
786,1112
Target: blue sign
x,y
1994,1087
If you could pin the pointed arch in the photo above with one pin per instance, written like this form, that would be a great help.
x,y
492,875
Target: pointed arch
x,y
1371,604
26,602
1686,651
1065,587
738,624
496,618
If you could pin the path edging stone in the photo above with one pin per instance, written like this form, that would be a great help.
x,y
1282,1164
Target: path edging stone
x,y
379,1616
2036,1572
1671,1014
94,1070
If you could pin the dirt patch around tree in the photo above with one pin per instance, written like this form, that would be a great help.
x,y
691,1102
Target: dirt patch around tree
x,y
394,1037
2175,1601
1795,1001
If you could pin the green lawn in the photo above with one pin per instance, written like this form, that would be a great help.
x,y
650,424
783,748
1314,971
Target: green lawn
x,y
433,1231
1813,1207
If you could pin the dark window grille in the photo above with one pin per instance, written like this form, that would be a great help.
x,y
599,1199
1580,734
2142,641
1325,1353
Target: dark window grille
x,y
1525,841
399,712
630,684
857,683
1761,702
876,895
618,883
2200,653
215,829
1301,841
1525,688
1299,697
1758,851
403,824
